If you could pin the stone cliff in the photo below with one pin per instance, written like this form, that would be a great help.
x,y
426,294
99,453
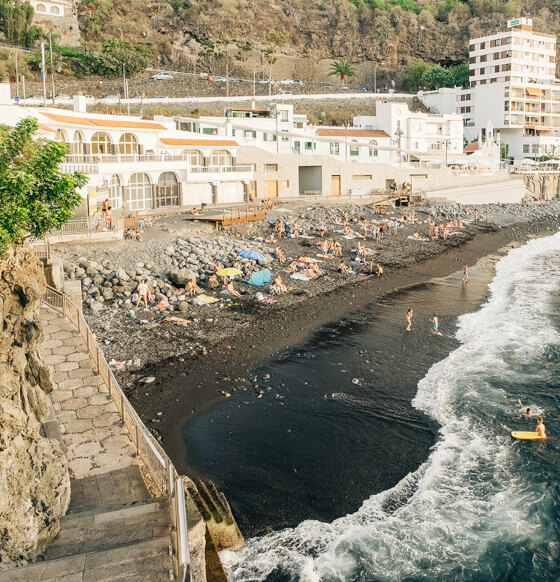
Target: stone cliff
x,y
34,480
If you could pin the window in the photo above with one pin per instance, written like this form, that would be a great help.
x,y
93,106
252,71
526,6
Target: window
x,y
284,116
40,8
335,149
194,157
59,136
483,58
308,145
354,148
482,45
128,144
55,10
139,192
77,147
373,151
167,193
271,167
285,183
100,143
249,134
361,177
221,158
209,131
115,196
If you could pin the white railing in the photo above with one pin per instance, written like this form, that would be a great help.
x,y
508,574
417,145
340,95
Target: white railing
x,y
85,226
220,169
160,466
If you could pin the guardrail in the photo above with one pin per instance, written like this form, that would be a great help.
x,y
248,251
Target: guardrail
x,y
85,226
148,449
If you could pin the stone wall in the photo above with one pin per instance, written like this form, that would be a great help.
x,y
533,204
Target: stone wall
x,y
34,480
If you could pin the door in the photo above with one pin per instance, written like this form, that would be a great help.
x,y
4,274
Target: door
x,y
252,189
335,185
271,189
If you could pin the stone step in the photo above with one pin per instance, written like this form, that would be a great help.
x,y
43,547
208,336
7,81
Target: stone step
x,y
147,561
102,531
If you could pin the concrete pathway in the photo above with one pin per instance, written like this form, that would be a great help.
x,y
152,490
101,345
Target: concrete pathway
x,y
96,442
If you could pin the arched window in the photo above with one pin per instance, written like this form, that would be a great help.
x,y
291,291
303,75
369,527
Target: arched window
x,y
100,143
40,8
115,191
354,148
167,193
139,192
195,158
128,144
59,136
55,10
221,158
77,146
373,151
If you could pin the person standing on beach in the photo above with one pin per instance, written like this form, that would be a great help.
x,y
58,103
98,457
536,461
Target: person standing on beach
x,y
409,319
435,323
465,279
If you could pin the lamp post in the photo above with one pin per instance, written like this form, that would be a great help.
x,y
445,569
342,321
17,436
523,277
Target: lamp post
x,y
447,143
398,140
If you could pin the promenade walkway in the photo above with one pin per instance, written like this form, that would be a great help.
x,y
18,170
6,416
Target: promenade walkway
x,y
115,529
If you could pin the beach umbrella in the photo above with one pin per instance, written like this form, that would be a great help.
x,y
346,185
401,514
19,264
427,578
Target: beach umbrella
x,y
250,254
228,272
260,278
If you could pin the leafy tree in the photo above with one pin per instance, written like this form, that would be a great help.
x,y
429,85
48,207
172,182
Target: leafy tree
x,y
415,71
277,40
460,75
34,195
16,20
109,57
343,69
437,77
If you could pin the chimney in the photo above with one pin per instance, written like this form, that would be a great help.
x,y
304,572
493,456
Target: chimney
x,y
80,103
5,98
229,130
253,103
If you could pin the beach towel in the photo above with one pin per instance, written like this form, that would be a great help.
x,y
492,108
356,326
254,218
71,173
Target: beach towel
x,y
349,237
300,277
418,239
260,278
305,236
204,300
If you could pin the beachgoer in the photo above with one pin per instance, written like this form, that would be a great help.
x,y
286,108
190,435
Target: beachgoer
x,y
109,217
465,278
322,229
435,323
342,268
524,410
378,270
337,249
104,207
277,287
144,293
541,431
191,287
229,289
408,319
280,255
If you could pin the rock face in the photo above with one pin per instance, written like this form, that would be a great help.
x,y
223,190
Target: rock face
x,y
34,480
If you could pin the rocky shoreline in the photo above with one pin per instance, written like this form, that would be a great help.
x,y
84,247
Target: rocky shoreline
x,y
170,371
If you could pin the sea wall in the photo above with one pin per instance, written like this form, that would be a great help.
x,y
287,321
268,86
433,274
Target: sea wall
x,y
34,479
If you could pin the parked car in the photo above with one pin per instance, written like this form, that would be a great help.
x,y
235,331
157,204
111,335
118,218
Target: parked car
x,y
235,80
286,93
89,97
221,79
298,82
285,82
109,97
365,89
163,76
62,96
205,77
34,97
262,81
162,97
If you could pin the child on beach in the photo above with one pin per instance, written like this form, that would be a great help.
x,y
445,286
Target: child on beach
x,y
408,319
435,324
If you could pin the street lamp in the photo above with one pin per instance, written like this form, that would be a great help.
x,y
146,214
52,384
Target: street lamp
x,y
398,139
447,144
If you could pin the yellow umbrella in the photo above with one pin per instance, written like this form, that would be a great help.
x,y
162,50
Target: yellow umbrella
x,y
228,272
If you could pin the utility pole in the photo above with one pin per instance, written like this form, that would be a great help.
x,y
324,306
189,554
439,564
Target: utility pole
x,y
17,73
23,85
375,77
43,74
52,70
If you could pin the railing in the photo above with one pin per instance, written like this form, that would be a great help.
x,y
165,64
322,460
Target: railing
x,y
85,226
41,249
148,449
220,169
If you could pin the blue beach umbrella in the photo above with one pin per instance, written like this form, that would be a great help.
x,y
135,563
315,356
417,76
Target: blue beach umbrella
x,y
250,254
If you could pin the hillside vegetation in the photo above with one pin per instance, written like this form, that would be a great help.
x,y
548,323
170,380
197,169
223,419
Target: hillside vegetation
x,y
301,33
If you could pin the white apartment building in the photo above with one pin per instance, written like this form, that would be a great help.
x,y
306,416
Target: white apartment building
x,y
417,136
513,87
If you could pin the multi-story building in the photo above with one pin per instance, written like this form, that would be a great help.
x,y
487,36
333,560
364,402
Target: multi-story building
x,y
513,87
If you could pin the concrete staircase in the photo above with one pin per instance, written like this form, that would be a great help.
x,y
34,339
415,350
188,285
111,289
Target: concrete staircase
x,y
100,540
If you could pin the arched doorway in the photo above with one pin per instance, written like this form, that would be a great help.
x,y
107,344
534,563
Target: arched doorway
x,y
128,144
195,158
139,192
100,143
167,192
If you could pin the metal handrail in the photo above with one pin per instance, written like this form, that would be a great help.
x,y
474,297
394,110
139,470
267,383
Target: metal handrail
x,y
160,465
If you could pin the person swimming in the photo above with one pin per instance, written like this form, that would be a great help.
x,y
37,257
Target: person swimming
x,y
524,410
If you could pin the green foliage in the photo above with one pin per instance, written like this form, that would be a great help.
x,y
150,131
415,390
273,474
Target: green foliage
x,y
438,76
106,58
16,20
343,69
415,71
35,197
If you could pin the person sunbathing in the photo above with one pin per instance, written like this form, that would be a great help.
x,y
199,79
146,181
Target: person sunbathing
x,y
342,268
230,289
279,253
277,287
218,267
315,268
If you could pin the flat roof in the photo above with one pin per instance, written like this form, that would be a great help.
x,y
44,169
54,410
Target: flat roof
x,y
350,132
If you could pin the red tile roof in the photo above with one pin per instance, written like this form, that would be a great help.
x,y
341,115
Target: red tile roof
x,y
472,147
120,123
172,141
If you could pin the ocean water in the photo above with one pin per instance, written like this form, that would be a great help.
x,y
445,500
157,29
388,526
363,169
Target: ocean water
x,y
481,506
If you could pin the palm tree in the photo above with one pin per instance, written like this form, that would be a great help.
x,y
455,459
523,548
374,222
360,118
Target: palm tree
x,y
343,69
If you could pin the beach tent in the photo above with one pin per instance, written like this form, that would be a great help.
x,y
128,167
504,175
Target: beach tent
x,y
260,278
251,254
